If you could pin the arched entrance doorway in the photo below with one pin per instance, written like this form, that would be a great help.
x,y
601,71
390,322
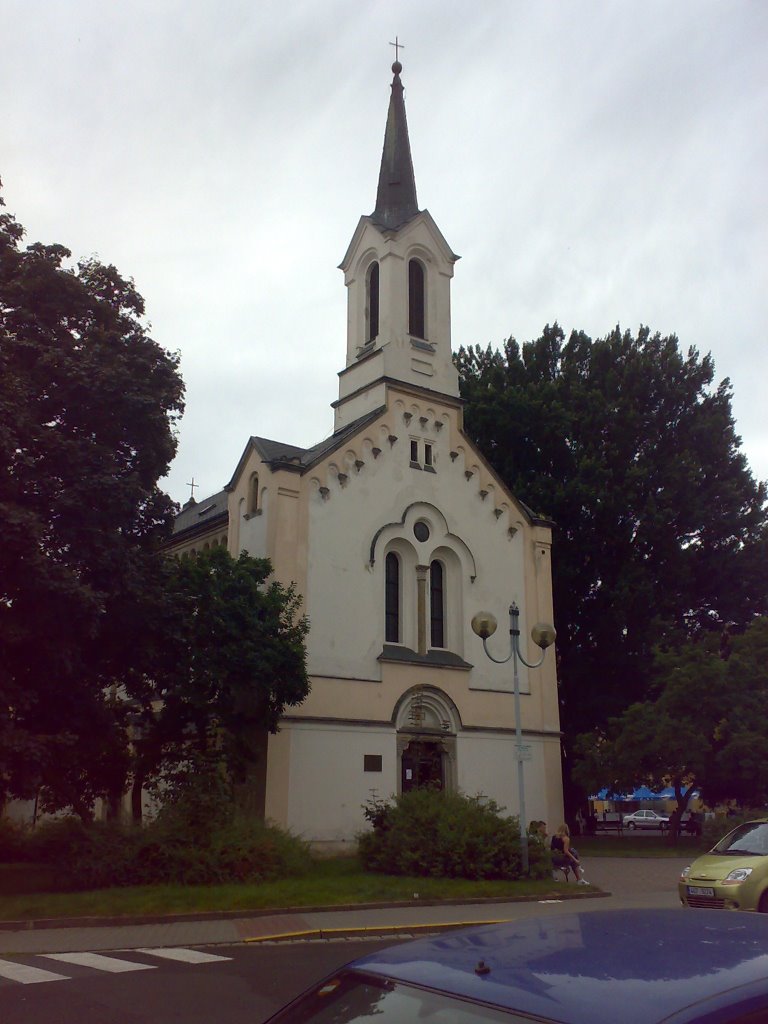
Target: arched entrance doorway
x,y
422,764
427,722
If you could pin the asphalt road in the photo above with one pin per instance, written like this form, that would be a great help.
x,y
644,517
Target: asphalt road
x,y
245,988
244,984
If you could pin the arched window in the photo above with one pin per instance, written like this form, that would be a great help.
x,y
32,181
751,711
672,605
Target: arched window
x,y
392,599
436,605
372,305
416,299
253,494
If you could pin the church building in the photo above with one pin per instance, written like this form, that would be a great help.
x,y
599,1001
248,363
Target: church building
x,y
395,531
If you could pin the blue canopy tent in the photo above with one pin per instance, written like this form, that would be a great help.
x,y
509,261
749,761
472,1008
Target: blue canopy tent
x,y
641,793
669,793
644,793
610,794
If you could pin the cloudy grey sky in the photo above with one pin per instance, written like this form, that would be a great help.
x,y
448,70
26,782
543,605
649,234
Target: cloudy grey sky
x,y
592,162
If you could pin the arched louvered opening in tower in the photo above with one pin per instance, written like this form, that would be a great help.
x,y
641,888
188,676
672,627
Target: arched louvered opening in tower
x,y
372,303
416,299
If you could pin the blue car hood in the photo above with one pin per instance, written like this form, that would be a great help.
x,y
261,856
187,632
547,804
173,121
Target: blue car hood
x,y
635,966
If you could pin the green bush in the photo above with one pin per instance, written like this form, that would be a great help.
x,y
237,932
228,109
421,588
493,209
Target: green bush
x,y
51,841
12,841
102,854
20,879
438,834
169,850
236,850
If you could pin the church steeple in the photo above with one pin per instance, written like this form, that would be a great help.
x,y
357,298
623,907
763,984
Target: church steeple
x,y
397,271
396,195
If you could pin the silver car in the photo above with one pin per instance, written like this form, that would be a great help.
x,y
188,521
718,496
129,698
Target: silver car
x,y
646,819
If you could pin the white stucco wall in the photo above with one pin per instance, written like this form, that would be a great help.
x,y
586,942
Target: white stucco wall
x,y
326,802
253,528
487,570
487,765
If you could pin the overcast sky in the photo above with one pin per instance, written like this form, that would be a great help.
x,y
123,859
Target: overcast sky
x,y
592,162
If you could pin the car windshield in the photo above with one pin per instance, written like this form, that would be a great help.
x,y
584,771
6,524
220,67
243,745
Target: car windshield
x,y
748,840
352,997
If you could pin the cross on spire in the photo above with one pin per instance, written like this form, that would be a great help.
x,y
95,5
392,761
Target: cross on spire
x,y
396,195
192,485
398,46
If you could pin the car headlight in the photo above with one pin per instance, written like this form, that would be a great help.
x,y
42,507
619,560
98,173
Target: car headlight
x,y
737,875
684,873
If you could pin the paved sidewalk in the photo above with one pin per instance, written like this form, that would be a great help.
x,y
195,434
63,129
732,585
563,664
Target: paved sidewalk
x,y
642,881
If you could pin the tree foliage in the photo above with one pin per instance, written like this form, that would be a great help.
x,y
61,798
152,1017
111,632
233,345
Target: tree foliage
x,y
704,727
88,403
660,528
228,656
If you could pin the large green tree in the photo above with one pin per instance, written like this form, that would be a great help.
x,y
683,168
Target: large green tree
x,y
88,403
660,528
704,727
226,655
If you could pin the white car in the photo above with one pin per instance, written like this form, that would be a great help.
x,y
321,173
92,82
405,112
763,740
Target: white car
x,y
646,819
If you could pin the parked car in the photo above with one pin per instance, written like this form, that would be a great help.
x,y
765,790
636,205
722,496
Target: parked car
x,y
733,875
646,819
636,966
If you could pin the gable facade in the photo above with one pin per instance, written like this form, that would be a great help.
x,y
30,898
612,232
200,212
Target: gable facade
x,y
396,532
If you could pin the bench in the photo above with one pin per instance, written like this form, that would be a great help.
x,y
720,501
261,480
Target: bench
x,y
610,825
560,863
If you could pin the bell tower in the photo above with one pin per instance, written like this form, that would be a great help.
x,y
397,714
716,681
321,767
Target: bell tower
x,y
397,271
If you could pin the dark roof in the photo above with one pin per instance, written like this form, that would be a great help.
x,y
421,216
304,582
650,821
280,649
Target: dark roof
x,y
199,515
396,196
279,455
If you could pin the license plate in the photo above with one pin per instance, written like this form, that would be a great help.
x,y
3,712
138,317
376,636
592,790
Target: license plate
x,y
700,890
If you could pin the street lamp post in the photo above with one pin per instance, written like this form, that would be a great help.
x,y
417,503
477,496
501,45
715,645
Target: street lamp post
x,y
543,635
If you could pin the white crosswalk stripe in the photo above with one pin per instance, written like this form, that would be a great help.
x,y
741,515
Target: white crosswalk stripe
x,y
27,975
100,963
187,956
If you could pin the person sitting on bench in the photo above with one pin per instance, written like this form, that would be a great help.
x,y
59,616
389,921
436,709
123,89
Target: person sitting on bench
x,y
564,856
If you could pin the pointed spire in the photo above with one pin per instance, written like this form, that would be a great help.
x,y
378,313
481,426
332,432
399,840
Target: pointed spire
x,y
396,195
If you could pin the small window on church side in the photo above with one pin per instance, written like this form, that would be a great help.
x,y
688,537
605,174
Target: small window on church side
x,y
253,496
416,297
437,604
392,599
372,305
422,455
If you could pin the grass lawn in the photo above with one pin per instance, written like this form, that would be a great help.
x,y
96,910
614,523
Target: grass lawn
x,y
333,882
633,844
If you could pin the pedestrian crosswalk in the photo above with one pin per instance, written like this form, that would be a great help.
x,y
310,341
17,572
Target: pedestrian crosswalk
x,y
31,972
99,962
26,974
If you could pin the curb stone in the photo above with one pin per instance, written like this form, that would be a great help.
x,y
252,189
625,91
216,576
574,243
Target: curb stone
x,y
40,924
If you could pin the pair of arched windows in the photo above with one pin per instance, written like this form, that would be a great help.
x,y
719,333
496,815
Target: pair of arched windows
x,y
416,300
392,603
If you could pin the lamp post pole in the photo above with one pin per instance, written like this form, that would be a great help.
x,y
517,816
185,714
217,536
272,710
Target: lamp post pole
x,y
543,635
